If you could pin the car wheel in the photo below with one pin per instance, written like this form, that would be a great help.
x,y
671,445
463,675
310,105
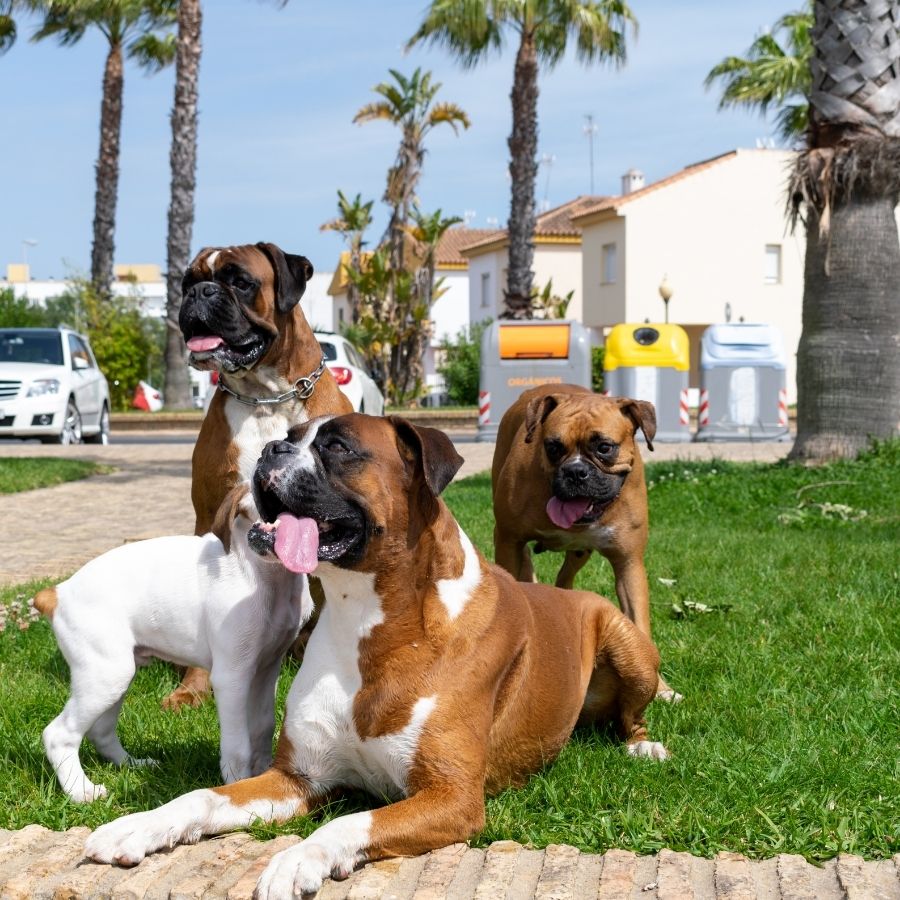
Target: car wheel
x,y
102,436
71,430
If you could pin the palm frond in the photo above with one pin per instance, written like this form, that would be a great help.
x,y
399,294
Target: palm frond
x,y
469,29
153,52
774,72
599,29
449,113
374,111
7,32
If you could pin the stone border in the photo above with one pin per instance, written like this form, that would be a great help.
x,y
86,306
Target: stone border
x,y
39,864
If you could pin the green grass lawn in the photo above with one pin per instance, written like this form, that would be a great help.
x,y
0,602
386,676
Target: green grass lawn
x,y
775,596
25,473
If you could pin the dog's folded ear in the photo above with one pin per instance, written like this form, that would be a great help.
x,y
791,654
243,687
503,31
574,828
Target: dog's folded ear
x,y
643,414
291,274
232,506
536,412
431,451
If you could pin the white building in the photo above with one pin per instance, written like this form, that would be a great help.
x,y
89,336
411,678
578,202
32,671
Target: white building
x,y
717,232
557,257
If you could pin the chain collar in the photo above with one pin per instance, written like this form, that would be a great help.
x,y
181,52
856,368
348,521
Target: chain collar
x,y
302,390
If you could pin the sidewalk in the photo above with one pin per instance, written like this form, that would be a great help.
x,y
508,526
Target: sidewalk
x,y
41,864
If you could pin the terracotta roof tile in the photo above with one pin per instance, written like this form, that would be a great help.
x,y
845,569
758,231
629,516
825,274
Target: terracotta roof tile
x,y
455,239
687,171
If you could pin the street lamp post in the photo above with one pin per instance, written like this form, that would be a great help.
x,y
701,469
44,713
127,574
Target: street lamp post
x,y
665,291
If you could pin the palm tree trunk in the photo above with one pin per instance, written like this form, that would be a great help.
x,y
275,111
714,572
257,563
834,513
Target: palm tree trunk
x,y
848,376
848,361
183,161
523,171
103,248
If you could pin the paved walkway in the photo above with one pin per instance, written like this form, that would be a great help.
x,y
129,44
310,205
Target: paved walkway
x,y
45,865
55,530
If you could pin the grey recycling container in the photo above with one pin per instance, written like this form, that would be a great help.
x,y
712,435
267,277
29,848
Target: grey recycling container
x,y
652,362
516,356
743,392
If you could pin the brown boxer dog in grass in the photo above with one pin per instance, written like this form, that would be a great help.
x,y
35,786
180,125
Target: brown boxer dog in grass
x,y
241,317
431,677
568,475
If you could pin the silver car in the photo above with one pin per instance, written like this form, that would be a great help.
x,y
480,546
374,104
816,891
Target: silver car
x,y
51,387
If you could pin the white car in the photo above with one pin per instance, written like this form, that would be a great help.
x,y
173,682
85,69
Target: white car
x,y
51,387
351,373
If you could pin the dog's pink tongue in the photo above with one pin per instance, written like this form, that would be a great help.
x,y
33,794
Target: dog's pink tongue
x,y
297,543
565,513
200,344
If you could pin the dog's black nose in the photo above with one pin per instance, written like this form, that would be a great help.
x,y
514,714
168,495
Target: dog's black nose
x,y
577,471
278,447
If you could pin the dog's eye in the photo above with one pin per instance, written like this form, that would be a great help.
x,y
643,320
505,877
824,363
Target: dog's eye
x,y
241,283
335,446
604,448
554,449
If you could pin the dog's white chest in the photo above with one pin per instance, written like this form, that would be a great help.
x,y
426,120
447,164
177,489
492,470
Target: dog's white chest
x,y
326,746
253,427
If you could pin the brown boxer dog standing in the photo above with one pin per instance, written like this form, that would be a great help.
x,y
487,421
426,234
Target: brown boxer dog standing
x,y
241,317
431,676
568,474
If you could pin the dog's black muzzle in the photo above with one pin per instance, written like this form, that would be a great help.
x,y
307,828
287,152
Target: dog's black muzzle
x,y
579,479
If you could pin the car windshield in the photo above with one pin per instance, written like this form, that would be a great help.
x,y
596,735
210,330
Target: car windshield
x,y
328,351
31,347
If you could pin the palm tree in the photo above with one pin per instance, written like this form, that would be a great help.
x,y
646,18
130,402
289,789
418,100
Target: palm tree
x,y
471,29
354,217
774,73
140,30
846,185
408,103
183,163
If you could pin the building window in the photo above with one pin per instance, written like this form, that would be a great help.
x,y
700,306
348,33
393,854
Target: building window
x,y
773,264
341,314
485,290
608,262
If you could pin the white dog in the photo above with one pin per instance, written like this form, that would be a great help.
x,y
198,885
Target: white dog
x,y
204,601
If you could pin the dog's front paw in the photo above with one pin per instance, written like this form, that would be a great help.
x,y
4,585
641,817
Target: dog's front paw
x,y
125,841
335,849
86,792
648,750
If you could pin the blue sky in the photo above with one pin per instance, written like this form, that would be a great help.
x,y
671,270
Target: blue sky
x,y
278,91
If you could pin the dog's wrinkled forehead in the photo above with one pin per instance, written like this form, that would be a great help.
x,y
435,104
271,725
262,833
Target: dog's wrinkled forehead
x,y
303,436
220,263
574,422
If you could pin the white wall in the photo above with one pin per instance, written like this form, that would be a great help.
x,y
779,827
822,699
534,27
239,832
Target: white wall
x,y
603,304
450,312
708,233
317,304
562,264
494,266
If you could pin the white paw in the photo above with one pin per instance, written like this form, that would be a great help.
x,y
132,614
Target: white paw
x,y
670,696
293,872
648,750
88,792
334,849
126,841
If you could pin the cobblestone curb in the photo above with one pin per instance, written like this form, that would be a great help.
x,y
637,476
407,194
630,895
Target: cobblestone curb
x,y
46,865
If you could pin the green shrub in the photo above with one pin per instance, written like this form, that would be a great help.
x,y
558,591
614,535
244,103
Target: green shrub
x,y
461,367
19,312
597,356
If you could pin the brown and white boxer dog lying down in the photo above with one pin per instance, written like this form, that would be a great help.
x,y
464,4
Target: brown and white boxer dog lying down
x,y
241,317
431,676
